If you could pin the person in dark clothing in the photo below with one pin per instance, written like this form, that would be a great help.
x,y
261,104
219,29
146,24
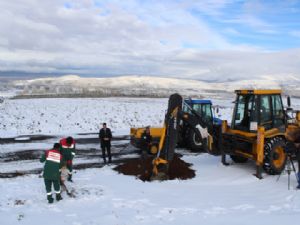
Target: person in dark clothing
x,y
51,173
105,137
293,146
146,141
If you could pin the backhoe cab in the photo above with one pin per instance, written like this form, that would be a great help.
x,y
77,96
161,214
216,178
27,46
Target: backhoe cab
x,y
258,108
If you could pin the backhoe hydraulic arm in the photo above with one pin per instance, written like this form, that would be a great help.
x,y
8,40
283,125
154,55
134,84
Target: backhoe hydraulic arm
x,y
168,140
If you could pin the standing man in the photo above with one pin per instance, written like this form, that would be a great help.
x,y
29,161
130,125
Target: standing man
x,y
146,141
51,174
67,147
105,139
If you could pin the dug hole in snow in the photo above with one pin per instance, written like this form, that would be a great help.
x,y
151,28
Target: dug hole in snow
x,y
142,168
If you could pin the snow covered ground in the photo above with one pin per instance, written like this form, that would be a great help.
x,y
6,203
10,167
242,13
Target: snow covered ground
x,y
217,195
52,116
71,116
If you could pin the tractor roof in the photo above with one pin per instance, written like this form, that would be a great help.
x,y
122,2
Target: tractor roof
x,y
197,101
258,92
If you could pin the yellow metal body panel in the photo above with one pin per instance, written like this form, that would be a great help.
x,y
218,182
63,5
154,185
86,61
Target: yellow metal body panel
x,y
292,132
258,92
254,139
241,133
268,134
260,146
156,162
162,139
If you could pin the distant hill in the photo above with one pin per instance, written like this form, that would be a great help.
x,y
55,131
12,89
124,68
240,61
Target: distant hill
x,y
145,86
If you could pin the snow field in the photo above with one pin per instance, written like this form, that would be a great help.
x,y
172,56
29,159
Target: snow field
x,y
71,116
217,195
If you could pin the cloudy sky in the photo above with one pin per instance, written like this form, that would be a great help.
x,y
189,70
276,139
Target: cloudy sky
x,y
207,39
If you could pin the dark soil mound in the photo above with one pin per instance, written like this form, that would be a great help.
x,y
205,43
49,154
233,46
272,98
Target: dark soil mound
x,y
142,169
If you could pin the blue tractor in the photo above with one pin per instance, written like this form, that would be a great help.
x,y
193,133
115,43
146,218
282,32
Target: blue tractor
x,y
201,110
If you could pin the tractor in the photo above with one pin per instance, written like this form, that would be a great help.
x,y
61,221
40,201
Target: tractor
x,y
197,109
201,110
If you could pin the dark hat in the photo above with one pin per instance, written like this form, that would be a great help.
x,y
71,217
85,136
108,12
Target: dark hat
x,y
69,140
56,146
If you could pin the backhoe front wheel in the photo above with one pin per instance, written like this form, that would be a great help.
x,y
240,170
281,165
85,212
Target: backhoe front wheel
x,y
274,156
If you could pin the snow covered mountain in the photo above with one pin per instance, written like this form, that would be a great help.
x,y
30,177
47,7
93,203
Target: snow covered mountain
x,y
72,85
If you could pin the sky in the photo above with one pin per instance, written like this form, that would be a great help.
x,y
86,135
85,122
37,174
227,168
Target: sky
x,y
204,40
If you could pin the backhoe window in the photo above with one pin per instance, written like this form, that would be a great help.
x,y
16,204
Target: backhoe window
x,y
277,111
244,112
265,112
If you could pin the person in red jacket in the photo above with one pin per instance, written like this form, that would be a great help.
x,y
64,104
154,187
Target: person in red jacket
x,y
67,148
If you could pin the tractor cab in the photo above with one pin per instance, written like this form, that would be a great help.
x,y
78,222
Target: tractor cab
x,y
254,108
200,108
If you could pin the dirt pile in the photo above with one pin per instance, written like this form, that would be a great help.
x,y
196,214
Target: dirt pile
x,y
142,169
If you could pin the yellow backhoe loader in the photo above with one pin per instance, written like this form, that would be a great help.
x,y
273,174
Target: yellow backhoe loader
x,y
259,130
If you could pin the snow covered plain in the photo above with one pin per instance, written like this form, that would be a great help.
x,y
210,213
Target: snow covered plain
x,y
217,195
71,116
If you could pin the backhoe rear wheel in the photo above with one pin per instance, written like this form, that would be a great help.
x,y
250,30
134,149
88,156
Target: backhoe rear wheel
x,y
195,143
274,155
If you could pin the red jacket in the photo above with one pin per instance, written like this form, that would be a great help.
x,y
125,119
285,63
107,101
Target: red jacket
x,y
68,151
63,143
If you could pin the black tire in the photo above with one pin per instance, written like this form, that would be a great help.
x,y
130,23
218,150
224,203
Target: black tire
x,y
195,143
274,155
238,159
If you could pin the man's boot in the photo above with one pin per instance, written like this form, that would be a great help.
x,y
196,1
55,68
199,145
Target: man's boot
x,y
70,178
50,199
58,197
